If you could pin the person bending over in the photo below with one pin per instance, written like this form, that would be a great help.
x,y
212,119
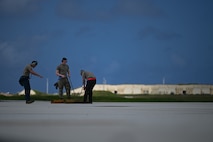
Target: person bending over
x,y
88,81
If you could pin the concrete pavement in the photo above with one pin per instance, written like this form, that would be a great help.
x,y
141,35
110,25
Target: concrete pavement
x,y
105,122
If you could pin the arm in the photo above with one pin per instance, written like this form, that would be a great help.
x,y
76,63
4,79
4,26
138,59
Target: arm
x,y
68,73
83,86
83,81
36,74
58,74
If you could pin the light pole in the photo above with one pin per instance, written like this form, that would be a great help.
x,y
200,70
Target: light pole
x,y
47,86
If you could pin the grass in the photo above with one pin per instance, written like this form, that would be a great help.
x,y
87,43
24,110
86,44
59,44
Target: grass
x,y
104,96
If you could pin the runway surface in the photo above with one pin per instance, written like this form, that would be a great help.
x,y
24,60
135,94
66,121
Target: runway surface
x,y
105,122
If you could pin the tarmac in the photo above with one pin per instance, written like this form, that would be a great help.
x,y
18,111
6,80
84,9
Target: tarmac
x,y
42,121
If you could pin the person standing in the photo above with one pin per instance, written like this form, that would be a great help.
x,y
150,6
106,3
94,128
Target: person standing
x,y
63,72
24,80
88,81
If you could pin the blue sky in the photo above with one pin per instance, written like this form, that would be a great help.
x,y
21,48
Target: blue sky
x,y
122,41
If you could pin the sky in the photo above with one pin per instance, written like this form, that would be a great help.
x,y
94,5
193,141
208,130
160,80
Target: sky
x,y
120,41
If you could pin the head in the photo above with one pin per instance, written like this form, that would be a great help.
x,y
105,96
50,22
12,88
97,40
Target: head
x,y
81,72
64,60
34,64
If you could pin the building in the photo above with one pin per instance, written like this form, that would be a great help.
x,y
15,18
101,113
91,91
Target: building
x,y
32,92
191,89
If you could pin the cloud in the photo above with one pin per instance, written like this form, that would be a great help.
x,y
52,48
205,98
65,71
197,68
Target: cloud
x,y
157,34
71,9
37,39
178,60
11,54
20,49
83,31
113,67
16,7
138,8
76,10
93,60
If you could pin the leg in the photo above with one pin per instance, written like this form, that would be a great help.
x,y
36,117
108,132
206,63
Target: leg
x,y
60,88
27,89
89,87
91,90
67,87
85,95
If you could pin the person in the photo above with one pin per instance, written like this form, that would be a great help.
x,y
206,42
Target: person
x,y
24,80
63,72
88,81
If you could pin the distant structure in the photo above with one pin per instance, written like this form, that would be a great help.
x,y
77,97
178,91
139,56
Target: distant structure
x,y
161,89
104,83
32,92
164,80
47,86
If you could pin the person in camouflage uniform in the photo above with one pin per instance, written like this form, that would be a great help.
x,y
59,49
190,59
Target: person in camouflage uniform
x,y
63,72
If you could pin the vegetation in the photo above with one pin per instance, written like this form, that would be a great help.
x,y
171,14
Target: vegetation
x,y
104,96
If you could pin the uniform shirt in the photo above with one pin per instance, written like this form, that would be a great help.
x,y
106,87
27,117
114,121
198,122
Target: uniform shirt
x,y
27,70
86,75
63,69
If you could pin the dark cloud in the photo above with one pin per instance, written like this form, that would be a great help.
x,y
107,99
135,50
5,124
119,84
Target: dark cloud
x,y
71,9
83,30
75,10
20,7
157,34
13,52
9,54
138,8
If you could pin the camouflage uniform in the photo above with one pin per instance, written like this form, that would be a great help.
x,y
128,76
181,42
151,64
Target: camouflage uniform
x,y
63,82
